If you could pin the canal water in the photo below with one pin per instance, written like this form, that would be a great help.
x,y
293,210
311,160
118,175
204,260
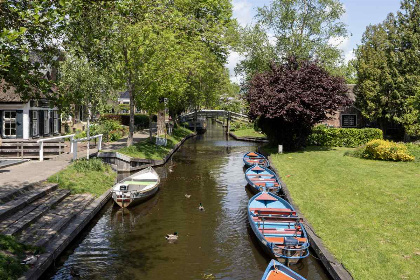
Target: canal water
x,y
213,244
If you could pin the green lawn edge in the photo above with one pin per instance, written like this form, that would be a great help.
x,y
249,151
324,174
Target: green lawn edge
x,y
149,150
249,132
79,177
365,211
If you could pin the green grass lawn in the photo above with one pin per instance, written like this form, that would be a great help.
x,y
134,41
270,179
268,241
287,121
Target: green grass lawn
x,y
149,150
11,254
82,176
366,212
248,132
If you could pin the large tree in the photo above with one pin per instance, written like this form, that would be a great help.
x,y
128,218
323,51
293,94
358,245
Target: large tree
x,y
290,98
28,44
387,69
300,28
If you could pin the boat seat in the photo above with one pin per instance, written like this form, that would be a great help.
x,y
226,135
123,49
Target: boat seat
x,y
290,231
274,219
280,240
263,179
278,211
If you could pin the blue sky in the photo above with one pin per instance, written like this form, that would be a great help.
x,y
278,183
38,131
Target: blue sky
x,y
359,14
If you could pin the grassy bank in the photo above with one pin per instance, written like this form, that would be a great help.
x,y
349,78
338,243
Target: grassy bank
x,y
84,176
248,132
11,254
149,150
365,211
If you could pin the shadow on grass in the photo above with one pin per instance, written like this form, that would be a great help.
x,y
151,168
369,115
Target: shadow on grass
x,y
272,150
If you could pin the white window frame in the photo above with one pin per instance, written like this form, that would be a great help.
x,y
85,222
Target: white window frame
x,y
46,122
55,121
35,123
342,120
9,120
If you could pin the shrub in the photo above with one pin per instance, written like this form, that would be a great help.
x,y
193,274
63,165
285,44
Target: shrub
x,y
342,137
384,150
140,120
241,125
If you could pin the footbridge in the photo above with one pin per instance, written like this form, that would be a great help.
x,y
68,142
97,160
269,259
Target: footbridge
x,y
213,114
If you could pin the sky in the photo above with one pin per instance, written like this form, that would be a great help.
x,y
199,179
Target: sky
x,y
358,15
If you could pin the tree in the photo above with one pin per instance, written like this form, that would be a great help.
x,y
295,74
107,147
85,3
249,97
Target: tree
x,y
27,44
300,28
387,69
81,83
290,98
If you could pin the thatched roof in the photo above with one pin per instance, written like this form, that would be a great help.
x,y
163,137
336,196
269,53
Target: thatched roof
x,y
8,94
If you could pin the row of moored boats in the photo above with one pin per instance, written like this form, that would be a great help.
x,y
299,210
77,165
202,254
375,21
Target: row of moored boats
x,y
273,220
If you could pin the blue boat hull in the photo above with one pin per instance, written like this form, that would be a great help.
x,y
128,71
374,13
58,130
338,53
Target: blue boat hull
x,y
263,162
276,267
283,254
268,186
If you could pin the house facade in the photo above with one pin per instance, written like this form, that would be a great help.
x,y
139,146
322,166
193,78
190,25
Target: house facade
x,y
349,116
26,120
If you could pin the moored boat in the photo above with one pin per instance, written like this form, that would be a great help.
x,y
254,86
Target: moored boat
x,y
260,178
278,271
136,188
277,227
252,158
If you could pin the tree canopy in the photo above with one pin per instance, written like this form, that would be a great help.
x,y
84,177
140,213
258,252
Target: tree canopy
x,y
387,68
290,98
302,29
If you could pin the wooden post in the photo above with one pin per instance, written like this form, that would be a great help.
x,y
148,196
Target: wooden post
x,y
228,123
74,145
100,143
41,151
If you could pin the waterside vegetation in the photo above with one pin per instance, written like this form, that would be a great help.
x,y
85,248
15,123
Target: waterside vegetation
x,y
149,150
85,176
365,211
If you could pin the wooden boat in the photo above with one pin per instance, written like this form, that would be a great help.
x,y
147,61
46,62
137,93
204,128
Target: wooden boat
x,y
278,228
253,158
260,178
136,188
278,271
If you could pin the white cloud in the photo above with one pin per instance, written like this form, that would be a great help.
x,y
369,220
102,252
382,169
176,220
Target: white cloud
x,y
242,11
339,41
233,59
349,55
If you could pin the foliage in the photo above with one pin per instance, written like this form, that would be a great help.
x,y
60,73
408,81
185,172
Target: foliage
x,y
342,137
27,45
241,125
111,130
303,29
249,132
149,150
291,98
11,254
387,68
384,150
85,176
358,208
141,121
414,149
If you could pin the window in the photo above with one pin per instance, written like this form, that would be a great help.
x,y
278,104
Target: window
x,y
55,116
46,122
35,131
348,120
9,123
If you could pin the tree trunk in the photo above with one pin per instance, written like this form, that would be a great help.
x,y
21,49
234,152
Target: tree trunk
x,y
382,126
131,127
160,123
150,127
88,131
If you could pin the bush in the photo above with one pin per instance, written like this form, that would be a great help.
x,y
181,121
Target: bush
x,y
342,137
141,121
241,125
383,150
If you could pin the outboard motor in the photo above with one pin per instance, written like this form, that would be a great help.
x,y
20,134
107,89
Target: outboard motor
x,y
290,241
123,188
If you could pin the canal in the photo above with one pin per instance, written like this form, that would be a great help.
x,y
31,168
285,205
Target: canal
x,y
213,244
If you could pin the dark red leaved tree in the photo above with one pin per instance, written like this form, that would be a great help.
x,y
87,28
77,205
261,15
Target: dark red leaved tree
x,y
291,98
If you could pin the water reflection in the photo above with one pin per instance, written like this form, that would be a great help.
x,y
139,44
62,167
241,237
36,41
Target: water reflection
x,y
215,243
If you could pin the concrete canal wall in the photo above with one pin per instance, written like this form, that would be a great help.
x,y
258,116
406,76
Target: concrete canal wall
x,y
124,163
248,139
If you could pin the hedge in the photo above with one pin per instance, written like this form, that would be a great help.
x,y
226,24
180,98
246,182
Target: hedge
x,y
140,120
342,137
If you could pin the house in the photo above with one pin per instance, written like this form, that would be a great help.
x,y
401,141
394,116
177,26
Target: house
x,y
349,116
20,119
124,103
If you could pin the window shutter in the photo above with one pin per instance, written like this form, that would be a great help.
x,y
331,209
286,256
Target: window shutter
x,y
41,123
19,123
51,122
31,132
